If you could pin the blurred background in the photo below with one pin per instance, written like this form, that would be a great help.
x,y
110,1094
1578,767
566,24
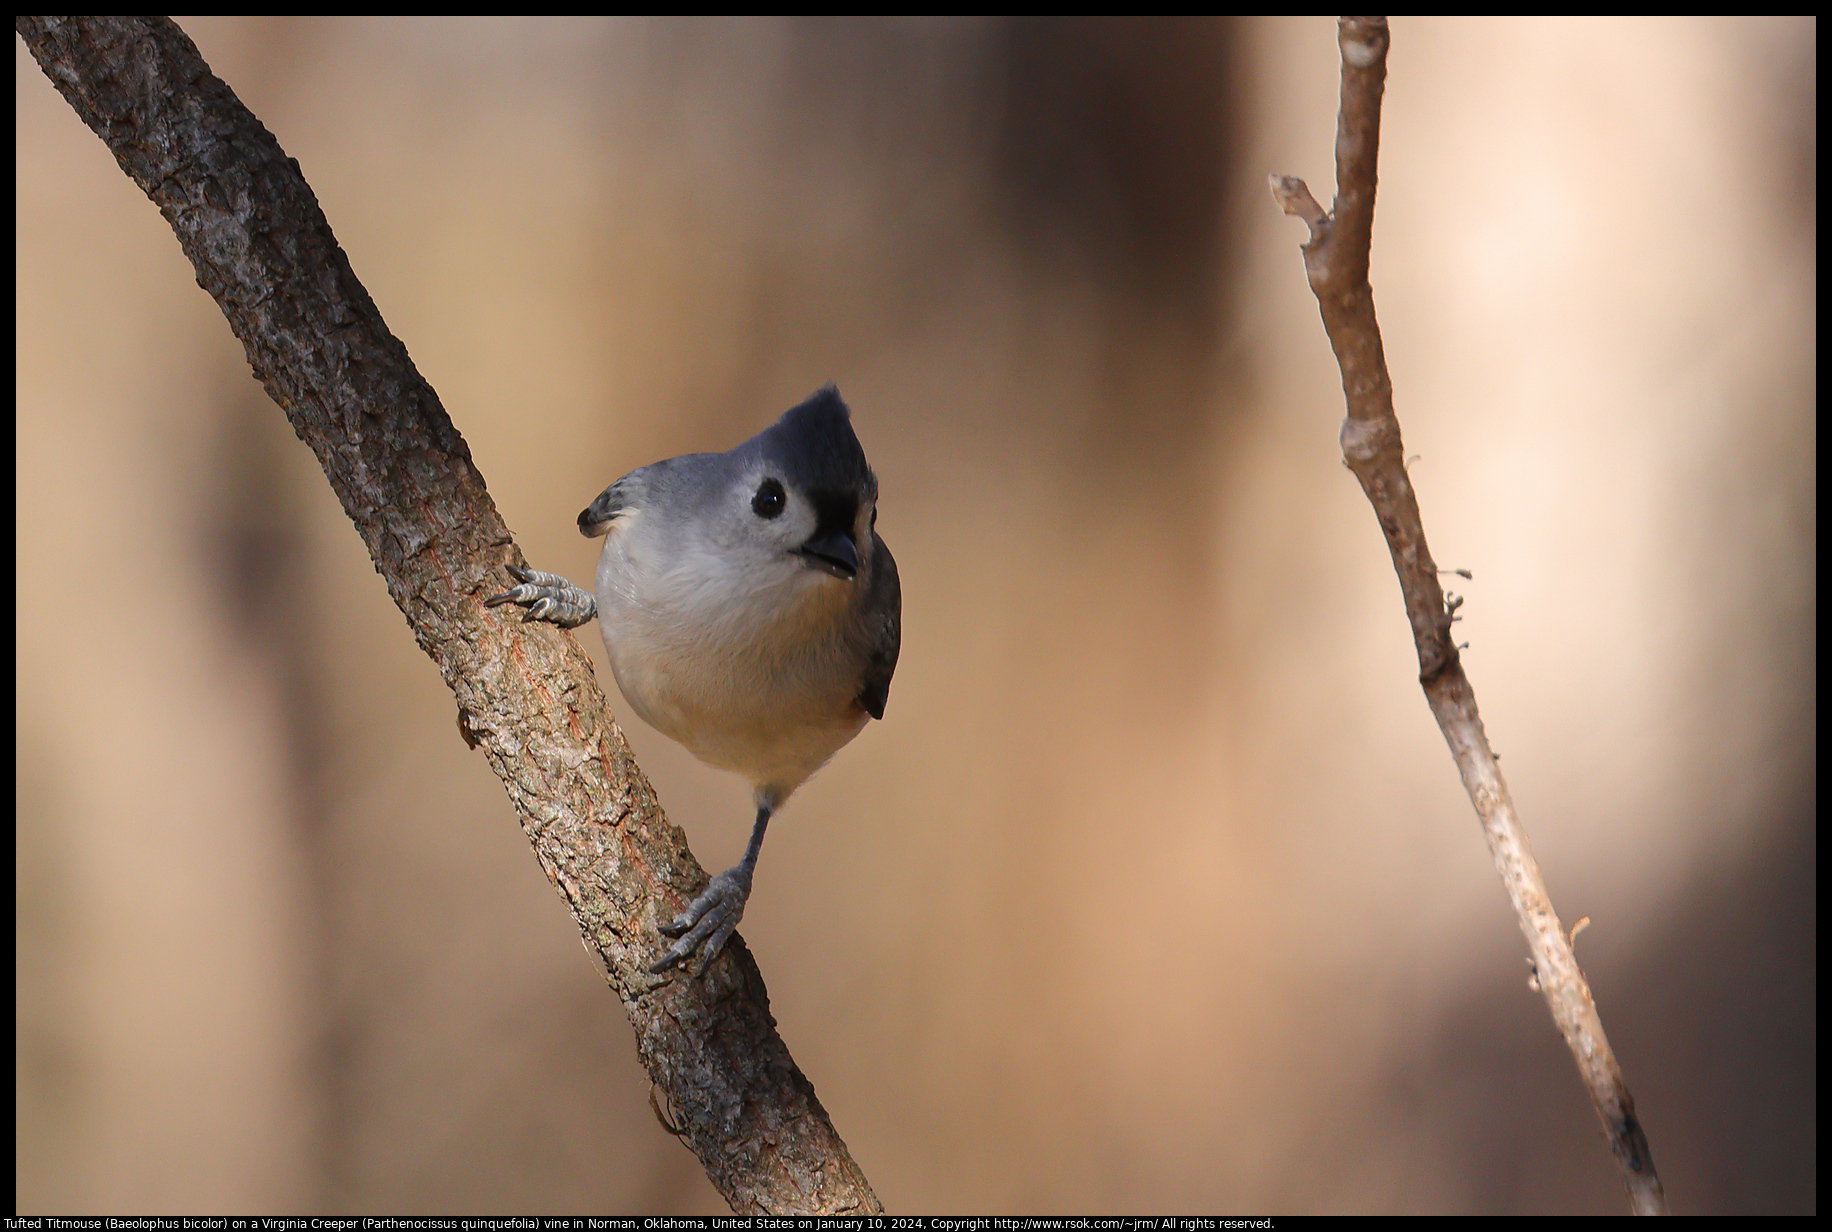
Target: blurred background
x,y
1156,890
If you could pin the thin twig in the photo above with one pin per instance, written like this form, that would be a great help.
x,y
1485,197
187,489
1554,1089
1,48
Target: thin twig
x,y
526,693
1336,262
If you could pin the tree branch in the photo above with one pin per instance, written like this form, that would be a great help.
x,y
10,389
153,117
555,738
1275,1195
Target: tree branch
x,y
526,693
1336,262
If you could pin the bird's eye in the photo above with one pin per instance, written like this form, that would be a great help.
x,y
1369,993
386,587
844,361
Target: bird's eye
x,y
769,500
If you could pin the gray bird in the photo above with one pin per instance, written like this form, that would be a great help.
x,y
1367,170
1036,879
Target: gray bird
x,y
751,613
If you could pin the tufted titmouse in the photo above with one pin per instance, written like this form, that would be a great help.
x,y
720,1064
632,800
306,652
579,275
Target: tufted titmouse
x,y
751,612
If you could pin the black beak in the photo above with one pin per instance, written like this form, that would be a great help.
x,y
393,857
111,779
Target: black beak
x,y
832,552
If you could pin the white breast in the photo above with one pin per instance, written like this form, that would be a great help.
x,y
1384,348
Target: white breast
x,y
747,667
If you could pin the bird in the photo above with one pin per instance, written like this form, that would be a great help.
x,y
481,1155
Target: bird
x,y
751,613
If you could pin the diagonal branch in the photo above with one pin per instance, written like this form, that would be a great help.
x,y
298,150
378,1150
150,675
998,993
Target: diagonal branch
x,y
526,693
1336,261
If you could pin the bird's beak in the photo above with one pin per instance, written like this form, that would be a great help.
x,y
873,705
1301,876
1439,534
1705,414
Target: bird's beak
x,y
833,553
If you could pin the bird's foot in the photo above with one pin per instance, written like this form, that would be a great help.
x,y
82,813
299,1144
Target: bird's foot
x,y
708,922
547,596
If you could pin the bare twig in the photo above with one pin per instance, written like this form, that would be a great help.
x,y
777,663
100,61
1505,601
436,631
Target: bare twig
x,y
1336,262
526,693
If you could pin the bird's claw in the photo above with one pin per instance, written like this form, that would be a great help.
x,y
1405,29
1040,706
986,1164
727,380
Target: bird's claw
x,y
708,922
547,596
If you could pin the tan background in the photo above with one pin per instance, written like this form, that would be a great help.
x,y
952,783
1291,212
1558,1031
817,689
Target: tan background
x,y
1156,890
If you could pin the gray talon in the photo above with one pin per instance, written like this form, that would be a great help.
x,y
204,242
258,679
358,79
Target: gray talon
x,y
708,922
548,597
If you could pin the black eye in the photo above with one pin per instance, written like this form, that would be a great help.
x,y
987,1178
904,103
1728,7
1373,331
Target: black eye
x,y
769,499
